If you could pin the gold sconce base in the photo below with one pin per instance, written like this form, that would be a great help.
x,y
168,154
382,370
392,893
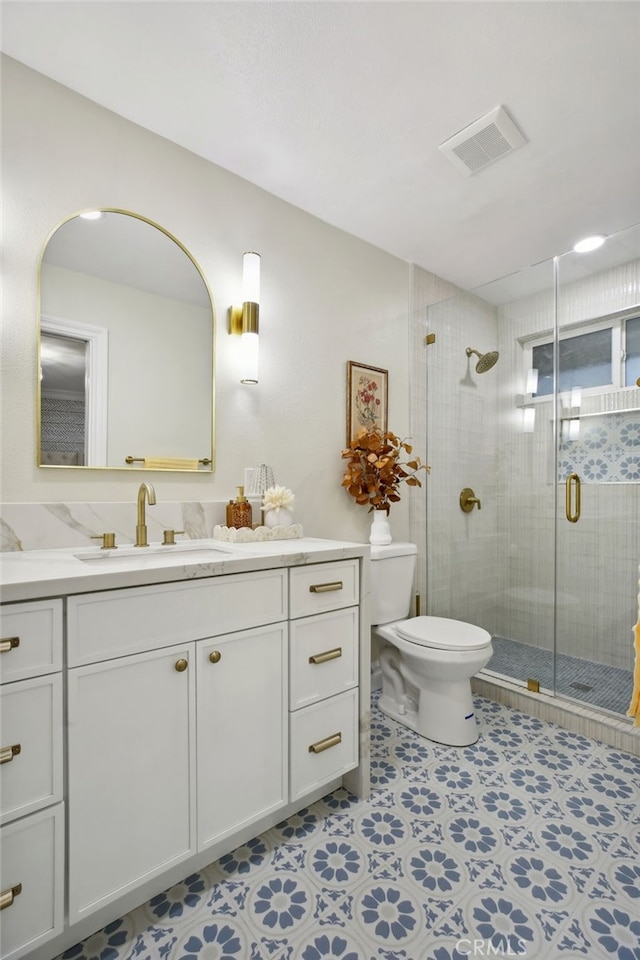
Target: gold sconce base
x,y
244,319
235,320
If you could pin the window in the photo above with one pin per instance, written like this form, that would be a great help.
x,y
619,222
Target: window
x,y
632,349
605,354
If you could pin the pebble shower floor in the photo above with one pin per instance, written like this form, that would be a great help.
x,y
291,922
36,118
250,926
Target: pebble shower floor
x,y
526,844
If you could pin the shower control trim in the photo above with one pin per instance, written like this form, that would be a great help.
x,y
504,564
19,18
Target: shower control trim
x,y
468,500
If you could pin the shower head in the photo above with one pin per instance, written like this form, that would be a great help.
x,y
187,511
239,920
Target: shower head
x,y
486,361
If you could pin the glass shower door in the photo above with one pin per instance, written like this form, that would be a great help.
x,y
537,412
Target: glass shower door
x,y
595,356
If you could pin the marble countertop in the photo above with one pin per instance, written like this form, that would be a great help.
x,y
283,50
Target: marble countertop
x,y
34,574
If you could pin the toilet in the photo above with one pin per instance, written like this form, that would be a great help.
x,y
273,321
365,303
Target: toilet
x,y
427,662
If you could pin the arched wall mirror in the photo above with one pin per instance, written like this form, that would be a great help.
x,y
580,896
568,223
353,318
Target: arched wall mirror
x,y
125,348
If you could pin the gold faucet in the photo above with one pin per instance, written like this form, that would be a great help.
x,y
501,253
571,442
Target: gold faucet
x,y
146,489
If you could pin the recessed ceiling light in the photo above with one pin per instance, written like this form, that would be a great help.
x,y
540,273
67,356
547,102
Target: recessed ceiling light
x,y
92,215
589,244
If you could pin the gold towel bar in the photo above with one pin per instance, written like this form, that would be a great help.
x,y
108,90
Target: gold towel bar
x,y
130,459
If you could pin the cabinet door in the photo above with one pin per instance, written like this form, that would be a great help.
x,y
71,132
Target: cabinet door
x,y
131,773
242,730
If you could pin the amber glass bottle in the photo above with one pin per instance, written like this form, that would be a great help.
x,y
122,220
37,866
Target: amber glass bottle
x,y
240,511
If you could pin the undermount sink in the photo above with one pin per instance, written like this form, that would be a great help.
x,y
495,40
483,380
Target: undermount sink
x,y
155,555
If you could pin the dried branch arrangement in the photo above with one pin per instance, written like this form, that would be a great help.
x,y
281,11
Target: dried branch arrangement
x,y
375,469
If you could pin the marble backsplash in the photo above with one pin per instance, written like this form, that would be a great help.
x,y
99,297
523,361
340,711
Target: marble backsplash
x,y
44,526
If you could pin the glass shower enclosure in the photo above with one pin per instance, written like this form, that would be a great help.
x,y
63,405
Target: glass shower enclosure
x,y
547,438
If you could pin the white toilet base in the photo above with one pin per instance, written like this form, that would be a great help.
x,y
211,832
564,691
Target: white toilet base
x,y
445,713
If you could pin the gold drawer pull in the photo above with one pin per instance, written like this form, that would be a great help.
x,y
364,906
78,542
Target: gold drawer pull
x,y
325,587
321,745
8,896
8,753
9,643
215,656
327,655
181,665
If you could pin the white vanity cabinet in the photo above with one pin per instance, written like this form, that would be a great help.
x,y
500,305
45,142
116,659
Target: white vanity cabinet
x,y
155,736
323,673
31,775
150,726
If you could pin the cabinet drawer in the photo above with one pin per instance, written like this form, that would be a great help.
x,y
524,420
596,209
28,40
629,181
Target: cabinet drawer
x,y
31,731
31,635
323,656
323,586
32,857
102,626
331,724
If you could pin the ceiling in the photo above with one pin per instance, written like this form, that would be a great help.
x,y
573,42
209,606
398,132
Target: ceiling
x,y
340,107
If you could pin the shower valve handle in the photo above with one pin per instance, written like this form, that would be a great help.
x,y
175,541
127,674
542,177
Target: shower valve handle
x,y
468,500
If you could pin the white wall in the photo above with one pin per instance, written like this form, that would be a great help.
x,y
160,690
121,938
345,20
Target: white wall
x,y
327,297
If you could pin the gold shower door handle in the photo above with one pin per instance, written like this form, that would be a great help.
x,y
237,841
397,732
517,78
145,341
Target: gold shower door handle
x,y
572,483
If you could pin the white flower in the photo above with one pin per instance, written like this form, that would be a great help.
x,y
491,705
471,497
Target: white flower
x,y
276,497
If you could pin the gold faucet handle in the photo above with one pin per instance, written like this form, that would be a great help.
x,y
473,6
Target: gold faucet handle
x,y
108,540
468,500
169,537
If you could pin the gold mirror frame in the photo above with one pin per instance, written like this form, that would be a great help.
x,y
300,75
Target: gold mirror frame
x,y
139,457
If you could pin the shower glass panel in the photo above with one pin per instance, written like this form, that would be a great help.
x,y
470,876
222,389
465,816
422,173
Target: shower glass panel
x,y
493,567
558,595
598,472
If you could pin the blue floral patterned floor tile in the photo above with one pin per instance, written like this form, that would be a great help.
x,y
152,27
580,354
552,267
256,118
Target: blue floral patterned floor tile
x,y
526,843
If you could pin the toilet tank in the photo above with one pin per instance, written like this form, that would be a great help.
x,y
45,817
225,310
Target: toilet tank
x,y
392,568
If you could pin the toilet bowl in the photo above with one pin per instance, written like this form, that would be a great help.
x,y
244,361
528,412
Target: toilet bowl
x,y
426,662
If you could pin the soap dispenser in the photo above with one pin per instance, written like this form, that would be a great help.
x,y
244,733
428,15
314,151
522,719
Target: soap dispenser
x,y
240,511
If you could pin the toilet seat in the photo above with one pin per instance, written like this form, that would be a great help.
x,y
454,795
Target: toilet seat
x,y
440,633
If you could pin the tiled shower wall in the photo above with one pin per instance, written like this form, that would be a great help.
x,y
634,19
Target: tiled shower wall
x,y
496,567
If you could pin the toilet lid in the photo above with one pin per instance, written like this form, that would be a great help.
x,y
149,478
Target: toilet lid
x,y
443,634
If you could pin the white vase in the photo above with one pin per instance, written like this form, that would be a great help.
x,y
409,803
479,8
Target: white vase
x,y
280,517
380,528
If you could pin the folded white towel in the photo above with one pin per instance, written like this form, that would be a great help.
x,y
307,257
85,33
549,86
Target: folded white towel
x,y
170,463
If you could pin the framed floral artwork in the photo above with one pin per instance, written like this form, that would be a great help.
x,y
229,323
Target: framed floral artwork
x,y
367,392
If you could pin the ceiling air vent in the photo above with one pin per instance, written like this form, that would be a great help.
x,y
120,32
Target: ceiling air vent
x,y
483,141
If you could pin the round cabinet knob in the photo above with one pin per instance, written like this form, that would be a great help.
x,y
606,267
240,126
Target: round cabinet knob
x,y
215,656
181,665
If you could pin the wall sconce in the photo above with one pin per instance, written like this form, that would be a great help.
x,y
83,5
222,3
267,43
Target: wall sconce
x,y
532,381
243,321
528,419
